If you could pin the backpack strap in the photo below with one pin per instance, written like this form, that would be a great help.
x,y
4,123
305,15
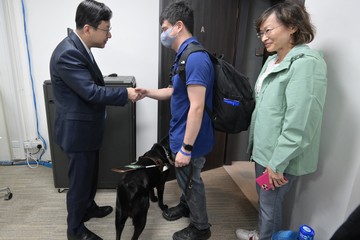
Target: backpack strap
x,y
192,47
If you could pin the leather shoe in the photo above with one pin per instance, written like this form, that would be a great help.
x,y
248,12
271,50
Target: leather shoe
x,y
99,212
177,212
85,235
192,233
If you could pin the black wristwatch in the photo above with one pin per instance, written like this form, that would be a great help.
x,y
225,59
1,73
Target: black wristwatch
x,y
187,147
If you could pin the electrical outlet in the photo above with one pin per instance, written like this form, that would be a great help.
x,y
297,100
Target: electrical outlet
x,y
33,144
27,144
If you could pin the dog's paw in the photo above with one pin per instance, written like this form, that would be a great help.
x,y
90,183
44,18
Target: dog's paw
x,y
153,198
164,207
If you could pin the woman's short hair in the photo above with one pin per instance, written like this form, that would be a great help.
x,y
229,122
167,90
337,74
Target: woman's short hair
x,y
291,15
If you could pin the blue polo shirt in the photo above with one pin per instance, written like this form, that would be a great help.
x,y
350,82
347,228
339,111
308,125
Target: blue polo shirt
x,y
199,71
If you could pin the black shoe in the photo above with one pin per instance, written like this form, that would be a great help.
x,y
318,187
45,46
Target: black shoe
x,y
85,235
177,212
192,233
100,212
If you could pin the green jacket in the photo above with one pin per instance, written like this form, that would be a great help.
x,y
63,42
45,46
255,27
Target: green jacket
x,y
286,123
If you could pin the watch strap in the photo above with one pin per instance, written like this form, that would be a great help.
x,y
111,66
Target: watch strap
x,y
187,147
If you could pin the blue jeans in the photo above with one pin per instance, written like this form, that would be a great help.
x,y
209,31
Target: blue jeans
x,y
271,204
194,199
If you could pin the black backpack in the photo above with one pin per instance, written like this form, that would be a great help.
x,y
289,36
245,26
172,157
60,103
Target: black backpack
x,y
233,101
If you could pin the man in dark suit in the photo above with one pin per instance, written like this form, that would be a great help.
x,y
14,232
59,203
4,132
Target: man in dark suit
x,y
80,100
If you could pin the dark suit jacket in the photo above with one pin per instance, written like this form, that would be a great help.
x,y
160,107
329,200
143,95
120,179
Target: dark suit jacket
x,y
80,97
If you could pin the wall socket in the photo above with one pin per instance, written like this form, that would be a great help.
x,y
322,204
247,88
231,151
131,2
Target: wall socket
x,y
33,144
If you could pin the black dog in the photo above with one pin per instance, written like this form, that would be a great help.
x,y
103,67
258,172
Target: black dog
x,y
137,186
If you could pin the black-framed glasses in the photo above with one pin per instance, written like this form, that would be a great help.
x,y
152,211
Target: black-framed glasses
x,y
267,32
105,30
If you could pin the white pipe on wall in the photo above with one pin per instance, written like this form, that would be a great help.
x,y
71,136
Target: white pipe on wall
x,y
4,140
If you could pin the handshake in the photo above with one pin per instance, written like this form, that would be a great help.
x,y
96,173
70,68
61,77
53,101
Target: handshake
x,y
135,94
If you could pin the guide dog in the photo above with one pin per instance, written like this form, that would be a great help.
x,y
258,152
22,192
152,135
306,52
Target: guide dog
x,y
137,187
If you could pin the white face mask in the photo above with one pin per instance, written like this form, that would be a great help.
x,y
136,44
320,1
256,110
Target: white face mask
x,y
166,39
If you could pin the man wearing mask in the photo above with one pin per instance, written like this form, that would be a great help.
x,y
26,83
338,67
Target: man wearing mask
x,y
191,130
80,100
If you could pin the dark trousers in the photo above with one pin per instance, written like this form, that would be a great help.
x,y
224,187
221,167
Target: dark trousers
x,y
83,177
350,229
196,200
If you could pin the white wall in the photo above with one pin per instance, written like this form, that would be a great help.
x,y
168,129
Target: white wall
x,y
325,199
16,94
132,50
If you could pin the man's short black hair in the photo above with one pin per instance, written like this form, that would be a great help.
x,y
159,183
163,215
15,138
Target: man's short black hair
x,y
92,12
179,11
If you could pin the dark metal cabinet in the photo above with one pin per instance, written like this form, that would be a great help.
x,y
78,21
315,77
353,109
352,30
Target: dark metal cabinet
x,y
119,142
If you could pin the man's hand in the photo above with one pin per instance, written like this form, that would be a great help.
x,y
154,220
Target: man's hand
x,y
135,94
181,160
142,92
132,95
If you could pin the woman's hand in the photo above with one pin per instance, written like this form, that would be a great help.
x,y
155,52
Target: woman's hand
x,y
276,179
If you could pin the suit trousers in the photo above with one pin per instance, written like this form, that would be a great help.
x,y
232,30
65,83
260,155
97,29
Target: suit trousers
x,y
83,178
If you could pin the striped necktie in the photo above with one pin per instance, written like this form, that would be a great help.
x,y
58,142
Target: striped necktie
x,y
91,56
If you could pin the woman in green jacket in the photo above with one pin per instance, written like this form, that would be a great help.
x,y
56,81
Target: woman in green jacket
x,y
286,123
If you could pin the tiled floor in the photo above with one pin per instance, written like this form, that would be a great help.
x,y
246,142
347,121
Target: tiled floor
x,y
37,210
